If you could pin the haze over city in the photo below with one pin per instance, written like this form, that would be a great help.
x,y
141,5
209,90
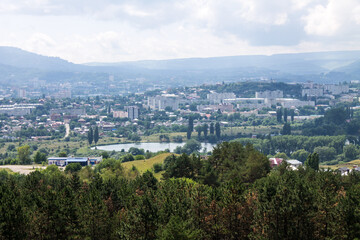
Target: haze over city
x,y
112,31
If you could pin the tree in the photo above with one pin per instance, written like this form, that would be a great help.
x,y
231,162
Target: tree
x,y
286,129
212,129
300,155
217,130
177,229
191,124
279,114
40,157
62,154
285,114
205,129
199,130
24,154
313,161
325,153
73,167
336,116
90,136
96,135
191,146
351,151
292,114
188,134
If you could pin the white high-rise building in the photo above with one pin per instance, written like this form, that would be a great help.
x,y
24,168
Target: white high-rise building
x,y
164,101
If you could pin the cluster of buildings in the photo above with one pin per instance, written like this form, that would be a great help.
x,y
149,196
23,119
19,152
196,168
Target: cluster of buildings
x,y
293,163
132,112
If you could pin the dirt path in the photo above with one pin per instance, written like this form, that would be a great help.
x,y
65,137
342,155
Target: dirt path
x,y
23,169
67,126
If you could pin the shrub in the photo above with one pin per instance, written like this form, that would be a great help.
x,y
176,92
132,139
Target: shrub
x,y
157,167
139,157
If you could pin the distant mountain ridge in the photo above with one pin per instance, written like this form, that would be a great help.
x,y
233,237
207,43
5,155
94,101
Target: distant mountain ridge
x,y
19,65
296,63
19,58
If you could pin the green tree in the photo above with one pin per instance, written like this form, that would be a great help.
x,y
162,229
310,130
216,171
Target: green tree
x,y
73,168
286,129
300,155
40,157
24,154
191,124
279,114
217,130
96,135
212,129
178,229
90,136
191,146
62,154
351,151
205,129
285,114
199,129
313,161
188,134
292,114
325,153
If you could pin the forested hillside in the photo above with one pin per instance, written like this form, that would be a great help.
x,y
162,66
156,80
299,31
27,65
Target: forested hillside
x,y
231,195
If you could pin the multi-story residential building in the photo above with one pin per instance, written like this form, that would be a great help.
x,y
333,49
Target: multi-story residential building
x,y
270,94
312,92
133,112
164,101
217,98
120,114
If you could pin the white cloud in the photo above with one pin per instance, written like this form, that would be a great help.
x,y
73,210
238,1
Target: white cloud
x,y
114,30
334,18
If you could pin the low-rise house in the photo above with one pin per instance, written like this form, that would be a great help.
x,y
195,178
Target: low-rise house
x,y
344,171
274,162
294,164
84,161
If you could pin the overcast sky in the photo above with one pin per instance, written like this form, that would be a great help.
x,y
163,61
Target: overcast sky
x,y
120,30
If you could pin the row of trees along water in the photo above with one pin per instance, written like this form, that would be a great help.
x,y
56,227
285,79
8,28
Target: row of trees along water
x,y
233,194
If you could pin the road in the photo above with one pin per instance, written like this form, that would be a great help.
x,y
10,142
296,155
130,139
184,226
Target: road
x,y
67,126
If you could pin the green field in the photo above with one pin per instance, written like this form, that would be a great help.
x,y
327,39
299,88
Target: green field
x,y
144,165
347,164
230,131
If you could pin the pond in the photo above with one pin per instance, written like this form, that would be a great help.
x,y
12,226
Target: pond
x,y
151,146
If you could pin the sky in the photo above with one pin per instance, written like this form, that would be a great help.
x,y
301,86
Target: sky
x,y
83,31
